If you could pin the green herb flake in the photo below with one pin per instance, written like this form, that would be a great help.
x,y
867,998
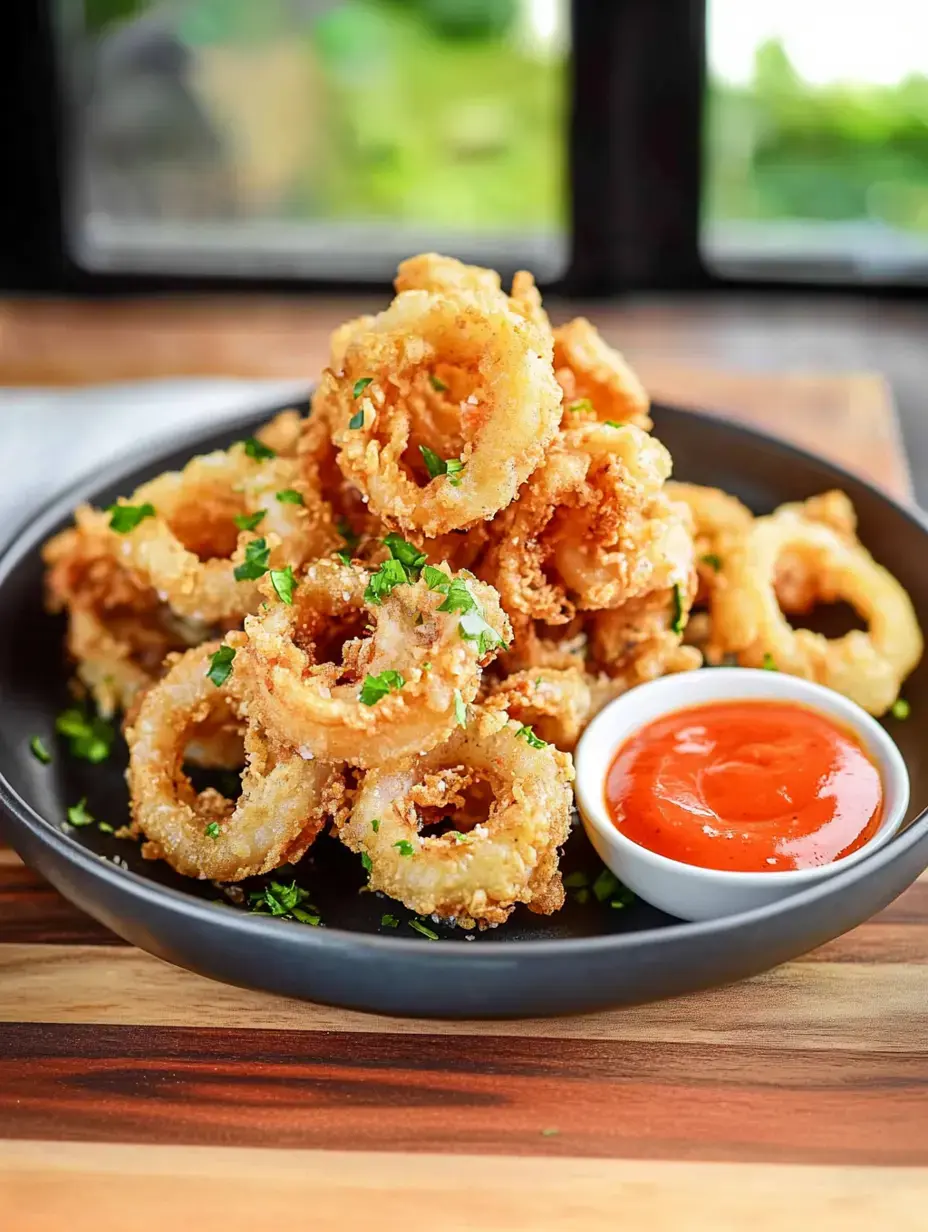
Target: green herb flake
x,y
213,830
713,561
404,847
306,917
257,450
390,575
612,423
376,687
457,836
606,885
458,597
575,881
375,824
437,383
550,1132
582,896
624,898
677,619
255,564
105,828
473,628
530,738
290,496
768,663
248,521
581,404
344,529
220,665
283,582
344,556
78,814
360,386
421,928
437,466
357,419
409,557
900,709
39,751
89,738
282,900
389,921
124,518
460,710
366,862
436,579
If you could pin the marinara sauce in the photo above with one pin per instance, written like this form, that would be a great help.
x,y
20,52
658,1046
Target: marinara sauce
x,y
753,786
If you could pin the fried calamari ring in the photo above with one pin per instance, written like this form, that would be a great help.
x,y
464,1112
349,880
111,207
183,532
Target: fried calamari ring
x,y
190,548
589,371
504,423
556,703
284,801
452,279
511,803
282,433
869,667
308,666
717,517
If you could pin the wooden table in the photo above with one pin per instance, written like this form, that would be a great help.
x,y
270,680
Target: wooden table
x,y
133,1094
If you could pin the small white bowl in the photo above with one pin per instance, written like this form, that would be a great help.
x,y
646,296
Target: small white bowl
x,y
684,890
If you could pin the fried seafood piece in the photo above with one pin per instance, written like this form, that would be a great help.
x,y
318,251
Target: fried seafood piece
x,y
556,702
716,518
119,631
282,433
353,672
747,620
284,803
441,410
191,548
596,380
592,529
510,803
453,279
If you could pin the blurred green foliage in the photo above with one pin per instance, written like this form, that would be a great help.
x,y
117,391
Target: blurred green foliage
x,y
782,148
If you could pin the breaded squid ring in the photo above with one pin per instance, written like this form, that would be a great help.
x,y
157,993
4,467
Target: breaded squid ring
x,y
453,279
505,422
590,371
556,703
320,706
190,548
510,858
283,804
869,667
717,517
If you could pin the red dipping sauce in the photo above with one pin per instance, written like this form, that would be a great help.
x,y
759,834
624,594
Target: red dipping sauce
x,y
755,786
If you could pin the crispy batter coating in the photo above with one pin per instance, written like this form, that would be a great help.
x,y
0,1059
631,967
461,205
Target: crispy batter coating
x,y
596,380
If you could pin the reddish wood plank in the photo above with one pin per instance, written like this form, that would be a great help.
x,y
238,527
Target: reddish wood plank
x,y
359,1091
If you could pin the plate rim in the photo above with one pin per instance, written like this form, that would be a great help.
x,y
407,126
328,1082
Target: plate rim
x,y
27,535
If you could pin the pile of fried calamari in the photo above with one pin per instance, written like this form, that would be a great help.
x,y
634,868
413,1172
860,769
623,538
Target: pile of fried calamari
x,y
395,616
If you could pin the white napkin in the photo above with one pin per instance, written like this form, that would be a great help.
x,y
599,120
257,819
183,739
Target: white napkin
x,y
50,437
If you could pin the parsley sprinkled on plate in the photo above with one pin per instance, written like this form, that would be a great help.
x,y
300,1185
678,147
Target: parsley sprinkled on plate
x,y
39,751
79,815
257,450
220,665
606,885
89,737
124,518
900,709
284,901
248,521
769,663
255,564
389,921
421,928
376,687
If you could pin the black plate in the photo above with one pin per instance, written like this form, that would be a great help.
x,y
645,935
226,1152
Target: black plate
x,y
584,957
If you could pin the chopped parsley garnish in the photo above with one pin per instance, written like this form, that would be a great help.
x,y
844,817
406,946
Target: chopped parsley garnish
x,y
283,900
436,465
376,687
530,738
768,663
435,579
344,555
409,556
344,529
124,518
257,449
456,835
220,665
375,824
474,628
390,575
582,404
582,895
89,738
624,898
458,598
677,619
366,863
713,561
360,386
389,921
900,709
460,710
257,555
290,496
283,582
437,383
78,814
105,828
404,847
248,521
421,928
212,830
612,423
357,419
606,885
575,881
39,751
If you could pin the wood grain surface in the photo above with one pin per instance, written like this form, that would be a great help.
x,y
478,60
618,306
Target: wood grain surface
x,y
133,1093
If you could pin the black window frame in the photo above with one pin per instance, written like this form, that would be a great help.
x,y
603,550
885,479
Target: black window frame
x,y
638,77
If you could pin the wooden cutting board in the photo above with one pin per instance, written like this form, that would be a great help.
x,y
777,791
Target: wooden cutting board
x,y
133,1094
